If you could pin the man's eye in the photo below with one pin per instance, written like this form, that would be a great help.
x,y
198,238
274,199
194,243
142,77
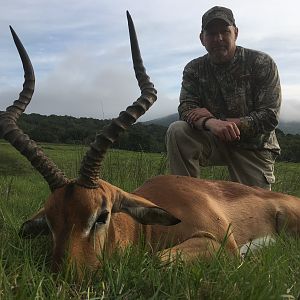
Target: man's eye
x,y
102,218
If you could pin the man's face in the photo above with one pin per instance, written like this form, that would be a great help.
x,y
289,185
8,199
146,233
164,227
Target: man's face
x,y
219,40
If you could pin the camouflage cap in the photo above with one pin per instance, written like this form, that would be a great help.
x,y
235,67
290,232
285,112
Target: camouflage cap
x,y
218,12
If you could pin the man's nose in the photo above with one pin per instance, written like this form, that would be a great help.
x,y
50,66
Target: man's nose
x,y
218,36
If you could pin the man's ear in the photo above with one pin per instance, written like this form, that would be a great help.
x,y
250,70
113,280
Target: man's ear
x,y
201,38
236,31
144,211
35,226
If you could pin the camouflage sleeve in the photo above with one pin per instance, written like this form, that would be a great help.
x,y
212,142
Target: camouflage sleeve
x,y
189,94
267,98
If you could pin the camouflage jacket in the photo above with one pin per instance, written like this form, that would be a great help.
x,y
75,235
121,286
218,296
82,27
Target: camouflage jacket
x,y
247,88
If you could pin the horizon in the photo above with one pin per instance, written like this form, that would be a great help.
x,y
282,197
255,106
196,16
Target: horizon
x,y
138,121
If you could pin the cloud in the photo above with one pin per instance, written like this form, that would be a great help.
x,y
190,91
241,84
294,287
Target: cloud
x,y
80,86
81,55
291,103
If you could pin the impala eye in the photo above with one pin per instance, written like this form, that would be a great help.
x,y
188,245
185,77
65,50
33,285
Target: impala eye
x,y
102,218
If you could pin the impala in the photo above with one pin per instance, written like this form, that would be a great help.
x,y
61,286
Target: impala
x,y
88,215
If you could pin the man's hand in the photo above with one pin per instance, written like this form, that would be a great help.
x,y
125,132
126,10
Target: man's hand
x,y
226,131
197,113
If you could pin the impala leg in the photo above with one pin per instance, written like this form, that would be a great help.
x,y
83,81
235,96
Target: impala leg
x,y
203,245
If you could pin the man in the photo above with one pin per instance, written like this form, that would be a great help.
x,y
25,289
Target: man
x,y
229,108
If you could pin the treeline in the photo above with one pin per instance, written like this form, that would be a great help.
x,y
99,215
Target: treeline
x,y
290,146
139,137
70,130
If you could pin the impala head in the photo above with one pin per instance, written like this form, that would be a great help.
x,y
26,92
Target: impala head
x,y
78,212
78,218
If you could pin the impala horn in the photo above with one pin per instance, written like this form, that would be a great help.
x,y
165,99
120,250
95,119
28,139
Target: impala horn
x,y
16,137
89,173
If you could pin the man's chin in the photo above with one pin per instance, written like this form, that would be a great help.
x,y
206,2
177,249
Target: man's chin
x,y
219,59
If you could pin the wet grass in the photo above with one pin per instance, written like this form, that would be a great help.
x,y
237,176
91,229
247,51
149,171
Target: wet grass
x,y
272,273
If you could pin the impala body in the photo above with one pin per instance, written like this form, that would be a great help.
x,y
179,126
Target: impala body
x,y
175,214
208,210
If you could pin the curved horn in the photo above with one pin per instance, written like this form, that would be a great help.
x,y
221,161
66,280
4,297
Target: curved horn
x,y
91,163
11,132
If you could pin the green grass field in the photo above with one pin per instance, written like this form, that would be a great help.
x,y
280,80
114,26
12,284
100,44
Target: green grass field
x,y
273,273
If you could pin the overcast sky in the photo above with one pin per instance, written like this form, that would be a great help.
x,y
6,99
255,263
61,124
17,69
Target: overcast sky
x,y
81,54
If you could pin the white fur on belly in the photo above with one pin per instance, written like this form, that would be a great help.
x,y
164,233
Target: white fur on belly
x,y
256,244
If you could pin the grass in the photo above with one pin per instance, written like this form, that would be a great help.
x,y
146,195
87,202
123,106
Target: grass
x,y
273,273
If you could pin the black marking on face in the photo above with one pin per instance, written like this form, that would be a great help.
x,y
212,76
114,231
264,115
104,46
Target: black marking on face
x,y
103,204
69,190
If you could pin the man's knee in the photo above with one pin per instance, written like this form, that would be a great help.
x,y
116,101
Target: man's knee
x,y
177,129
253,168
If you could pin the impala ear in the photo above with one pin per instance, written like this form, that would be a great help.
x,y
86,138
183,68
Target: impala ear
x,y
144,211
35,226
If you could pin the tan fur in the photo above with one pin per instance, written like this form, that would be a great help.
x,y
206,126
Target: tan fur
x,y
208,210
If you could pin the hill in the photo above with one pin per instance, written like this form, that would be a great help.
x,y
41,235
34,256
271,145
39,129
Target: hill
x,y
164,121
285,126
290,127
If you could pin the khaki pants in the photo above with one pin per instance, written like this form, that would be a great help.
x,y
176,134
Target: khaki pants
x,y
188,149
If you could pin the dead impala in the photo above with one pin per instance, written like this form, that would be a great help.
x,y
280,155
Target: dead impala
x,y
85,214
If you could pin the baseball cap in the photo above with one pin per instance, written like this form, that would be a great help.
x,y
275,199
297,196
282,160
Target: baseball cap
x,y
218,12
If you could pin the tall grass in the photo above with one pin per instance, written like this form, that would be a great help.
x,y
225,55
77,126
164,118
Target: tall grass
x,y
272,273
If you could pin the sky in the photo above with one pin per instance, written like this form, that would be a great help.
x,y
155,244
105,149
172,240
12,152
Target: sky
x,y
81,54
